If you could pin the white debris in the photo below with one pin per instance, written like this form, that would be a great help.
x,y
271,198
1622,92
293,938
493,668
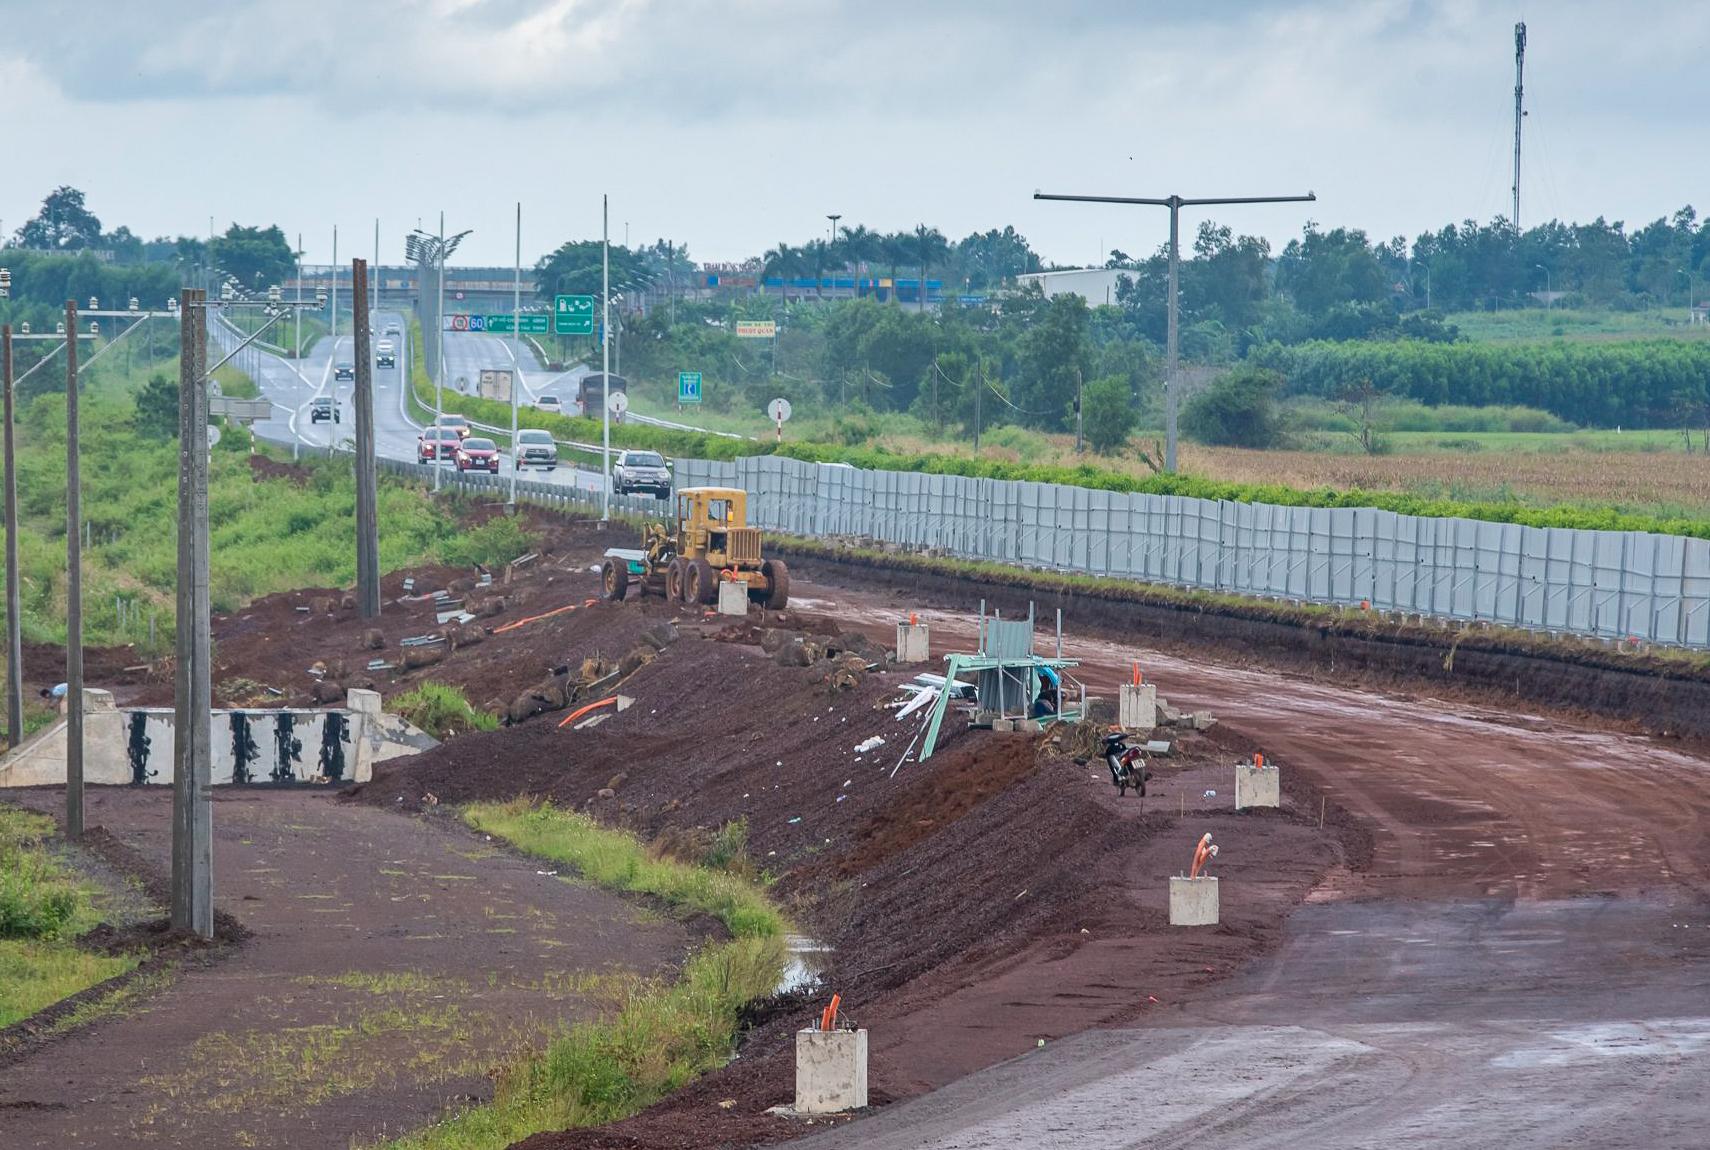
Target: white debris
x,y
873,743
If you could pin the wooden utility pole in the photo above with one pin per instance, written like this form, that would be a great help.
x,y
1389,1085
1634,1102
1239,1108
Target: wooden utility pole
x,y
14,632
367,498
73,590
192,812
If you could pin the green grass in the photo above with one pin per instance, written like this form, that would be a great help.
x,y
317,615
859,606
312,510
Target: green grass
x,y
1535,324
42,908
665,1034
282,333
442,711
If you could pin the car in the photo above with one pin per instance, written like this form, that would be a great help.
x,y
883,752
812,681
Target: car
x,y
344,371
641,471
536,448
436,443
477,454
323,408
455,422
385,355
549,403
392,329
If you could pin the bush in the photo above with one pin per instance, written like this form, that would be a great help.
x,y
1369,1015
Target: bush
x,y
36,901
442,711
1108,413
1238,410
496,542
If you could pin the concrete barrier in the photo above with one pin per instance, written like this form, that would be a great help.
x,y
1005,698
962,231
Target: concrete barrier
x,y
1137,706
831,1071
133,745
1193,901
1257,786
733,598
913,643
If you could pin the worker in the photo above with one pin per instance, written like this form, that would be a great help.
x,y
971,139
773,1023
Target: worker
x,y
1049,699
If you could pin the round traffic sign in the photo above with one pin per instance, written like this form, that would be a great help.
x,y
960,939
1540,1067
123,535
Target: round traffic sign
x,y
618,402
779,410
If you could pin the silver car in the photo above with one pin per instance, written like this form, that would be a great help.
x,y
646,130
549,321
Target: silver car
x,y
536,448
641,471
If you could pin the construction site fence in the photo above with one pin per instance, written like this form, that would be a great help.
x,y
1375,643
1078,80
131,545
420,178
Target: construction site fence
x,y
1618,585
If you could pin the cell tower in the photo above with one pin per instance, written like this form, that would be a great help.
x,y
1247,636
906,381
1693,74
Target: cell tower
x,y
1519,111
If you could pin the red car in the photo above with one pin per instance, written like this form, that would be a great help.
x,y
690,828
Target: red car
x,y
478,455
456,423
436,443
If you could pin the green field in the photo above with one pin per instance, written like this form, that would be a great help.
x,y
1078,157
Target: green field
x,y
1538,324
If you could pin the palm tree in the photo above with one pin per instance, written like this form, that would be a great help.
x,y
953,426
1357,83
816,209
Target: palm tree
x,y
818,254
933,248
861,245
896,250
785,262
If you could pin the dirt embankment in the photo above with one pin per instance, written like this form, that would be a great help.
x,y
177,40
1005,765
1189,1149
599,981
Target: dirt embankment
x,y
996,895
1630,691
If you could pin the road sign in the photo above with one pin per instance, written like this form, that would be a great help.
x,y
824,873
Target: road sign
x,y
573,314
756,328
779,410
459,323
618,402
688,387
477,323
501,324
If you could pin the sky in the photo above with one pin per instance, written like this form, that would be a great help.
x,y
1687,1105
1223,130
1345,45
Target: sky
x,y
732,125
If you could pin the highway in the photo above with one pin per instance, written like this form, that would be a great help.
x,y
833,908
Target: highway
x,y
292,384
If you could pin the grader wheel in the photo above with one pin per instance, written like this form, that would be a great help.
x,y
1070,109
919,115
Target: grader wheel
x,y
778,576
615,578
674,579
703,582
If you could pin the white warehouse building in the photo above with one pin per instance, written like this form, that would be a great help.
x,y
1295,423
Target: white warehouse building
x,y
1095,285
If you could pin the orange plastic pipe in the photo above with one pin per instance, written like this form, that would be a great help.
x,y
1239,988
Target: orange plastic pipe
x,y
1258,759
828,1017
580,711
537,618
1200,854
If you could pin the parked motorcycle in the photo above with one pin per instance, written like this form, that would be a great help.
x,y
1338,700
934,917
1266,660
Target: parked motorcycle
x,y
1127,764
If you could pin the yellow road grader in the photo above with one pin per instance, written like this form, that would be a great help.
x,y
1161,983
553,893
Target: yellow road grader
x,y
711,544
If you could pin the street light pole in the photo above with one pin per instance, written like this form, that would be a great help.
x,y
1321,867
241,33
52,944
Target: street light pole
x,y
14,625
439,355
516,357
605,357
73,590
1549,293
1172,350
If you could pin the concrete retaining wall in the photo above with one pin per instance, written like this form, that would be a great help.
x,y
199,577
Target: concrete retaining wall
x,y
133,745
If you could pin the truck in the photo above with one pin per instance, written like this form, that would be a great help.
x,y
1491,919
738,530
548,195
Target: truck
x,y
709,543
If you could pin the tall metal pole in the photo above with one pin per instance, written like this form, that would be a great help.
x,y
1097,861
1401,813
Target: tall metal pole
x,y
605,356
1519,111
367,497
297,345
73,590
333,295
14,623
439,351
1172,362
516,344
192,809
374,272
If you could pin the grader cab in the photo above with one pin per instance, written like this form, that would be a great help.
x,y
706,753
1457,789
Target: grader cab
x,y
711,544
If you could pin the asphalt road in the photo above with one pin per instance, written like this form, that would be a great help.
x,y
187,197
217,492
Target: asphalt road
x,y
292,384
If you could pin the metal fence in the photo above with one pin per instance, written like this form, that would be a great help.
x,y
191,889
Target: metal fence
x,y
1617,584
1614,584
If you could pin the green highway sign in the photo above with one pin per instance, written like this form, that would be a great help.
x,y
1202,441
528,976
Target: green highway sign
x,y
688,387
531,324
573,314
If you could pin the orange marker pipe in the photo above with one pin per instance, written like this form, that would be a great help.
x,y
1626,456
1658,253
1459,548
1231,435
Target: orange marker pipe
x,y
537,618
580,711
1200,854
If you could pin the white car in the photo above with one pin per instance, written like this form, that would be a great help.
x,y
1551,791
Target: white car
x,y
549,403
536,448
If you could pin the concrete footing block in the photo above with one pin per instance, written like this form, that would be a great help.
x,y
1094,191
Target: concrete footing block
x,y
1137,706
912,643
733,598
831,1071
1257,786
1193,901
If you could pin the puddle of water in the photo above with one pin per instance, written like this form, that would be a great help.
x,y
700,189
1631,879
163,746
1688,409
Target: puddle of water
x,y
802,966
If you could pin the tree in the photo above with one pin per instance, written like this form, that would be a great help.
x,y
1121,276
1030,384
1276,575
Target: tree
x,y
931,248
1053,357
574,269
862,246
258,258
991,258
1238,410
63,224
1108,412
1360,404
157,408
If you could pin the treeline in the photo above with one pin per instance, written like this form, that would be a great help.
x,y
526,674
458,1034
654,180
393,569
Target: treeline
x,y
1638,383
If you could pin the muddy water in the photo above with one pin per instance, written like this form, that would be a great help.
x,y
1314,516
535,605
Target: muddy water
x,y
1465,799
805,960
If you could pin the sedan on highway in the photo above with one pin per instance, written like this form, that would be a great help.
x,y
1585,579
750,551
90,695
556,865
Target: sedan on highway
x,y
549,403
455,423
344,371
536,448
436,443
477,454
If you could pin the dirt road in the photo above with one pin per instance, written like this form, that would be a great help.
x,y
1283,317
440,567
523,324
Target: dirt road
x,y
447,956
1526,964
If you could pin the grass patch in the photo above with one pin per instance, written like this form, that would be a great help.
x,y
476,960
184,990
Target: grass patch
x,y
41,909
442,711
664,1035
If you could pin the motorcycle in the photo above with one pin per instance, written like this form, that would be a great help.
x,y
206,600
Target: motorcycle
x,y
1127,764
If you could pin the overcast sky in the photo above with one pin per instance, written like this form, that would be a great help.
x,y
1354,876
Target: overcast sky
x,y
733,125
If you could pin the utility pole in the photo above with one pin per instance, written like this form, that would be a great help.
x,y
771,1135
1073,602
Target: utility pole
x,y
1080,390
14,626
439,353
73,590
333,295
516,357
606,356
1519,111
979,396
374,273
367,497
192,810
1172,354
297,344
